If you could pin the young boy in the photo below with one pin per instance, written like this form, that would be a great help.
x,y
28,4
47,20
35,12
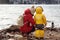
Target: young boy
x,y
40,21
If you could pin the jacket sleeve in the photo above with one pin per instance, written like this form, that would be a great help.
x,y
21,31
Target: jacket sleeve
x,y
44,20
34,19
31,20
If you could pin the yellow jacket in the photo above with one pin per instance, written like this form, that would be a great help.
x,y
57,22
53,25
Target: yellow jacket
x,y
39,17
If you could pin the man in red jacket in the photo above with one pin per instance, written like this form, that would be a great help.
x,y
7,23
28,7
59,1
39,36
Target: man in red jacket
x,y
28,19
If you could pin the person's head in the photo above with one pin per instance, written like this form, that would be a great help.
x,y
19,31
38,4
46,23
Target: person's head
x,y
32,10
32,7
27,11
39,9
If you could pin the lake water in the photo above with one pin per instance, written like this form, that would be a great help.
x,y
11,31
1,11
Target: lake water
x,y
10,13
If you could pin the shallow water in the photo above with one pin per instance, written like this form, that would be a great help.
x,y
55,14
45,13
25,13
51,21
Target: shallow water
x,y
10,13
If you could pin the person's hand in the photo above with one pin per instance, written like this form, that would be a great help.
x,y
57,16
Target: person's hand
x,y
35,26
44,27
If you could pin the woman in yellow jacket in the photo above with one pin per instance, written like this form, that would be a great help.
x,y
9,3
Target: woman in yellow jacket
x,y
40,21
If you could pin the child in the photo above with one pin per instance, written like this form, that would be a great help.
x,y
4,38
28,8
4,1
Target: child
x,y
28,19
40,21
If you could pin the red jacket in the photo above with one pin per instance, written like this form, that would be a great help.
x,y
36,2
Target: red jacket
x,y
28,18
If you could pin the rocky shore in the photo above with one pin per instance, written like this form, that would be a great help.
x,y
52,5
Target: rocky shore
x,y
53,34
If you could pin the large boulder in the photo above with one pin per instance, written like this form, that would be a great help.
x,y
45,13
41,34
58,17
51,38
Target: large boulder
x,y
13,27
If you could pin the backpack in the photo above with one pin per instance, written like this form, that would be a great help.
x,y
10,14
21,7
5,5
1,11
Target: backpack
x,y
20,21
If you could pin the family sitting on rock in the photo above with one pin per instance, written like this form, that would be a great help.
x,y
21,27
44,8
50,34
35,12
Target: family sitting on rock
x,y
33,23
30,24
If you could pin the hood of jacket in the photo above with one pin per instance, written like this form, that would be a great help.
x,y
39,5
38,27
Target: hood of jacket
x,y
39,10
27,11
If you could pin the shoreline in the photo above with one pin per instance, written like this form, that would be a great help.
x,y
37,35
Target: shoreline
x,y
49,35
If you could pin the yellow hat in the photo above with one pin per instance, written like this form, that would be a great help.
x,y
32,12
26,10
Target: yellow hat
x,y
39,9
